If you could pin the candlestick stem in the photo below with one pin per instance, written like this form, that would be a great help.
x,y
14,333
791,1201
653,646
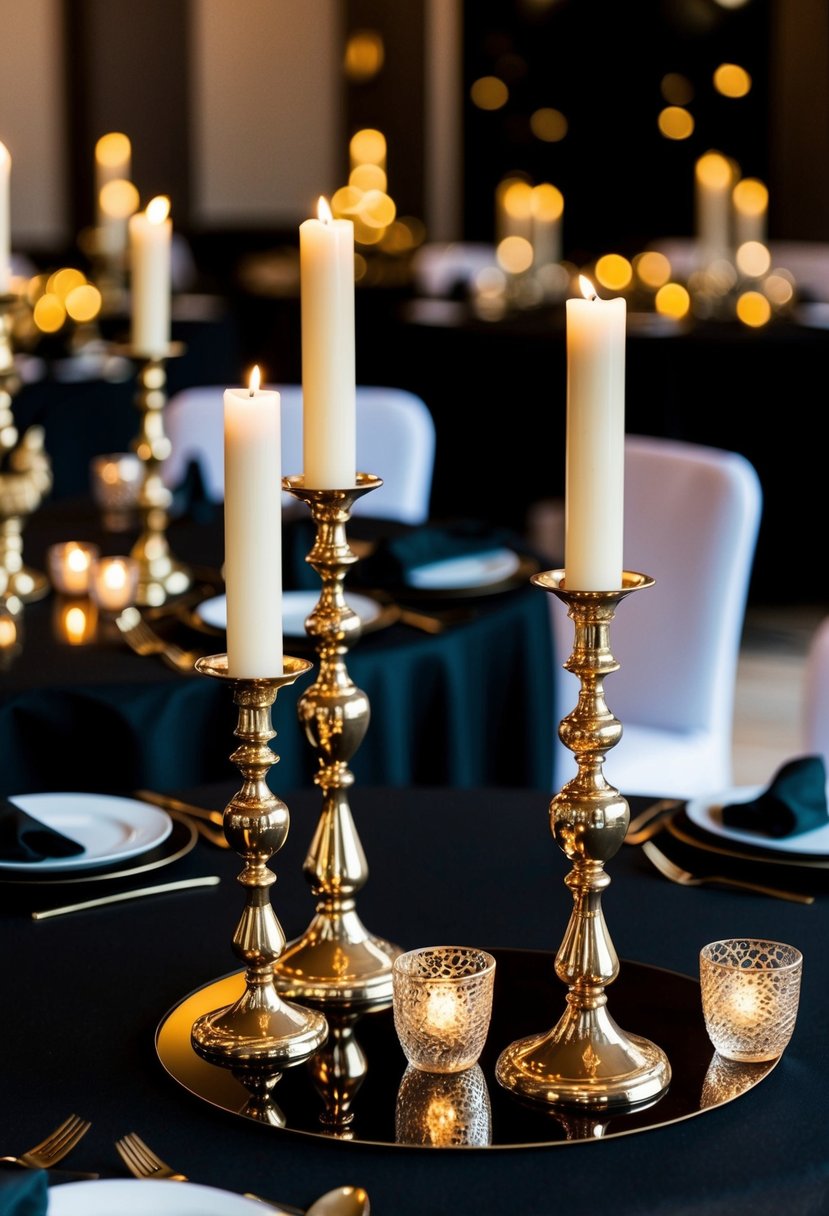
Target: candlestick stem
x,y
259,1026
336,960
586,1060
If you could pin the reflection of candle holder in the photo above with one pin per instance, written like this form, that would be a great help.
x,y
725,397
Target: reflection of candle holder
x,y
443,1110
338,1070
11,635
258,1027
160,575
336,960
260,1083
75,619
586,1060
750,994
25,476
725,1079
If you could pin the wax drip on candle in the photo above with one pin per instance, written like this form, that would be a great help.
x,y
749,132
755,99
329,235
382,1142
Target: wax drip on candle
x,y
323,210
255,380
587,288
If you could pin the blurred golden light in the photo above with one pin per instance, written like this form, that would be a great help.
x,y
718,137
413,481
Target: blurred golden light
x,y
653,268
377,209
119,199
36,287
397,238
779,287
364,55
49,313
714,170
360,267
586,287
548,125
158,209
672,300
367,147
732,3
750,196
753,308
514,254
518,200
415,226
76,622
368,177
547,202
83,303
753,259
489,93
61,282
345,200
675,123
366,234
614,271
254,380
8,630
731,80
677,89
113,149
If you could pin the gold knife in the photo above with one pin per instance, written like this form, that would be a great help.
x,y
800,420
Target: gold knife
x,y
650,821
168,803
184,884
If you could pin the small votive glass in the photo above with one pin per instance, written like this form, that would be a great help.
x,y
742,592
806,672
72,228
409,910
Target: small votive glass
x,y
442,1004
750,993
115,482
113,583
69,565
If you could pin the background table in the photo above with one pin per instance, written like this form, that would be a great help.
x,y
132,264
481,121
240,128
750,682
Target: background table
x,y
84,995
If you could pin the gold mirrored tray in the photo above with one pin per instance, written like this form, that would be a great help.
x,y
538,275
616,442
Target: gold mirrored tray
x,y
357,1086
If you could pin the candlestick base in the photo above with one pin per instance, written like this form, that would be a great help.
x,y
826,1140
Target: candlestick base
x,y
586,1060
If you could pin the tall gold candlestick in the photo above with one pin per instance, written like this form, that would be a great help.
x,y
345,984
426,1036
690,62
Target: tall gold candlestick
x,y
586,1060
160,575
259,1027
25,476
336,960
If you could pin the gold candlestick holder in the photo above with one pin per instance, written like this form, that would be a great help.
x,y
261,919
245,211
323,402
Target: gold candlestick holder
x,y
160,574
259,1027
586,1060
336,960
25,476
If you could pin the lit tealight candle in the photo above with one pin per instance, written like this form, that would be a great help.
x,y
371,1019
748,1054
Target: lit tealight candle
x,y
113,582
69,566
442,1008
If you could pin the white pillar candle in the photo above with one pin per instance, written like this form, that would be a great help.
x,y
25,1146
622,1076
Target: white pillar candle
x,y
547,212
594,478
713,177
326,248
253,531
5,219
151,234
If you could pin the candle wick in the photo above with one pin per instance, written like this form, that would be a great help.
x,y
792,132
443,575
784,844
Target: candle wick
x,y
594,296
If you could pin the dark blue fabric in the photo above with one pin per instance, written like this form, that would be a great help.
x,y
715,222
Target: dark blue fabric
x,y
23,1192
793,802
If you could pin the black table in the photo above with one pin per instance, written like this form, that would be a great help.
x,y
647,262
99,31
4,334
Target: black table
x,y
85,993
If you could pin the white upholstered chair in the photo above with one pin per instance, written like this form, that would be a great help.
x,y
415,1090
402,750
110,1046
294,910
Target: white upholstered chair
x,y
815,724
692,518
395,441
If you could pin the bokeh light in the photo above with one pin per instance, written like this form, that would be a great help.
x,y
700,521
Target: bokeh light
x,y
368,147
750,196
614,272
113,149
364,55
83,303
119,199
49,313
676,89
731,80
652,268
368,177
714,170
753,259
779,287
489,93
675,123
548,125
547,202
514,254
753,309
673,300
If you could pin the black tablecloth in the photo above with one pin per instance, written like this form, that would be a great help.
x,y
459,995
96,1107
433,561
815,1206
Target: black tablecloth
x,y
84,995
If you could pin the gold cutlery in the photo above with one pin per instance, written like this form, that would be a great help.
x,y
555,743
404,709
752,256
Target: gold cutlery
x,y
141,638
685,878
650,821
796,860
55,1146
184,884
199,816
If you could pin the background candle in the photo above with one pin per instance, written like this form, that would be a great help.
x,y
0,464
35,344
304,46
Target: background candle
x,y
594,489
113,162
5,219
150,239
713,177
326,249
253,531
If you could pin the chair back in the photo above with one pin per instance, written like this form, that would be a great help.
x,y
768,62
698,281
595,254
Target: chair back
x,y
395,441
815,710
692,518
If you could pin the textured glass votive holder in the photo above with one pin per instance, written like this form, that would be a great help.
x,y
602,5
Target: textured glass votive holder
x,y
750,993
113,582
115,482
442,1003
69,564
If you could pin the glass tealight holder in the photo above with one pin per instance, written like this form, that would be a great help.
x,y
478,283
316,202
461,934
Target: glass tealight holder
x,y
750,993
69,564
113,583
442,1003
115,482
444,1111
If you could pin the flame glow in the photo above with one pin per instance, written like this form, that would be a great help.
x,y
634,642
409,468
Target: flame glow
x,y
158,209
587,288
323,210
255,380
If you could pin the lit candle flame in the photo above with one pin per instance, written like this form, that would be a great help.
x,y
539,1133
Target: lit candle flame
x,y
587,288
255,380
323,210
5,158
158,209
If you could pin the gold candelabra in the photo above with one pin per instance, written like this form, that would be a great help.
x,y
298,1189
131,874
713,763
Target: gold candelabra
x,y
259,1027
25,476
586,1060
336,960
160,574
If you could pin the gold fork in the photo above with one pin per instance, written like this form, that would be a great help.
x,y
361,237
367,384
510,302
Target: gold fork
x,y
686,879
55,1146
145,641
142,1162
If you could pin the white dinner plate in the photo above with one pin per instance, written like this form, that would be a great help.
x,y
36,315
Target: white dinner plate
x,y
296,606
110,829
706,813
474,570
134,1197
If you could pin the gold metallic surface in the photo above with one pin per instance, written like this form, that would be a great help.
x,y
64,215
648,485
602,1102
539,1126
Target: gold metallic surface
x,y
259,1027
587,1061
336,960
160,574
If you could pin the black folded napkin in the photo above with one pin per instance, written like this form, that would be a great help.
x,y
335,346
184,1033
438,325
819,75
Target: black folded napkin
x,y
395,556
793,802
24,838
23,1192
